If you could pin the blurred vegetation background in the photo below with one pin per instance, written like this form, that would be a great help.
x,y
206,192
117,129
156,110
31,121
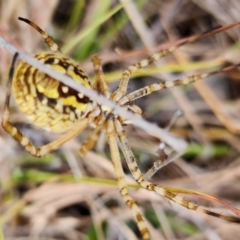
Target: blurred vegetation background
x,y
63,196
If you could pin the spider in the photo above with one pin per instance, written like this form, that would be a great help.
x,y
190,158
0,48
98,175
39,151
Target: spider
x,y
56,107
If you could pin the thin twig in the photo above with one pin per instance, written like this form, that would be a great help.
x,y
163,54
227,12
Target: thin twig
x,y
177,144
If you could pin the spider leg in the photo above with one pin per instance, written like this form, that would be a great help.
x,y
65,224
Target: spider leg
x,y
122,88
100,84
48,39
122,185
91,140
38,152
138,176
169,84
45,149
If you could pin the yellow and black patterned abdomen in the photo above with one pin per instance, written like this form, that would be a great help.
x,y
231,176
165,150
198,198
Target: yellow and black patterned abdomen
x,y
48,103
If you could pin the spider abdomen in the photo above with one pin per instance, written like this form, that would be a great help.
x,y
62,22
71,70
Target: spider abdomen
x,y
48,103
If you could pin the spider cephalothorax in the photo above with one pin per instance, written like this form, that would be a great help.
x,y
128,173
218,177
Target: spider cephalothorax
x,y
58,108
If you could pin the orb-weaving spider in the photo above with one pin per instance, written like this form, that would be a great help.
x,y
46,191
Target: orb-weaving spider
x,y
56,107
